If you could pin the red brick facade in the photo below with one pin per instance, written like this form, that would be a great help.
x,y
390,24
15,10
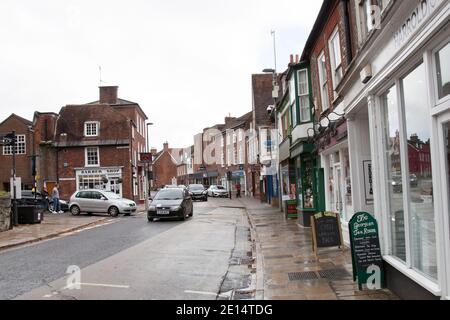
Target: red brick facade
x,y
165,167
23,161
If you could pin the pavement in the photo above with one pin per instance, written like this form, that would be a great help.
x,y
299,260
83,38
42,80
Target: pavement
x,y
52,226
287,268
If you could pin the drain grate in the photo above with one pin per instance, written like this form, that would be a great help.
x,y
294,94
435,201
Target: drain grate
x,y
334,274
300,276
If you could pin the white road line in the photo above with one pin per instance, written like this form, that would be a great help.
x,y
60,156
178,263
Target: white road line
x,y
97,285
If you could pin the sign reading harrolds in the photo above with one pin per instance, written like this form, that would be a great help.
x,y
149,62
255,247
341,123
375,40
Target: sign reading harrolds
x,y
366,253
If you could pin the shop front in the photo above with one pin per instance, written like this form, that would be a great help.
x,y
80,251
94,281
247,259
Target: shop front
x,y
403,116
106,179
309,179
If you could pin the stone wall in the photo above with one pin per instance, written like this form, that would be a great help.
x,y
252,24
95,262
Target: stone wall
x,y
5,211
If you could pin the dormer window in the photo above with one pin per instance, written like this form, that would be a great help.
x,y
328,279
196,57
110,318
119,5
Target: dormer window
x,y
91,128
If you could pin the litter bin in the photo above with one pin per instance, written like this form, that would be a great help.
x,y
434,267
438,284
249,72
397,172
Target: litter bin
x,y
30,214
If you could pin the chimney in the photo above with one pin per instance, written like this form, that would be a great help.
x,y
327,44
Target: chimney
x,y
153,151
166,146
292,58
108,94
228,120
297,58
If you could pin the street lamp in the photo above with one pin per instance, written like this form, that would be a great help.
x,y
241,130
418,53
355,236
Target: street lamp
x,y
149,167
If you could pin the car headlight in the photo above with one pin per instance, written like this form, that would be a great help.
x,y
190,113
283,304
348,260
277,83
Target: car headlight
x,y
152,208
205,192
176,208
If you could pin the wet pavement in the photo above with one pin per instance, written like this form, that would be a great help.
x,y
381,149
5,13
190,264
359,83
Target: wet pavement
x,y
289,269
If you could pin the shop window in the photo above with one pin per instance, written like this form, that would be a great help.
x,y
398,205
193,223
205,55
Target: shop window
x,y
443,71
420,196
394,174
347,182
303,93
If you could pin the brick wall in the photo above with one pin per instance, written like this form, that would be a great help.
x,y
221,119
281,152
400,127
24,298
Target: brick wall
x,y
164,170
23,162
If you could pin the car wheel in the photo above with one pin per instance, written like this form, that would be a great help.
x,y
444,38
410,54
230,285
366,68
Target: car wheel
x,y
127,214
113,211
151,219
75,210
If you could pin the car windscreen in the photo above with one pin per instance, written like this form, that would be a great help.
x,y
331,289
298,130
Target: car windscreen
x,y
170,194
196,188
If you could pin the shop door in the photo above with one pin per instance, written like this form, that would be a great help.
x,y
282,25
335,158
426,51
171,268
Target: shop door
x,y
115,186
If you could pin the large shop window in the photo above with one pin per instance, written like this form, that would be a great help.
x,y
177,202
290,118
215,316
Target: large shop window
x,y
410,185
443,71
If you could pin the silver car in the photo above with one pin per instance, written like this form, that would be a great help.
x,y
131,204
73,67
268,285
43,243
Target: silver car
x,y
217,191
96,201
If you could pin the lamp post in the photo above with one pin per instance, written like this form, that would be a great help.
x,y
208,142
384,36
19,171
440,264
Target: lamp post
x,y
148,168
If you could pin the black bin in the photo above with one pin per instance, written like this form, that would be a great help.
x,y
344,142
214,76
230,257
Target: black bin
x,y
30,214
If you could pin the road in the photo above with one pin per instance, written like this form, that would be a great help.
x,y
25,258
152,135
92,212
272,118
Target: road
x,y
129,259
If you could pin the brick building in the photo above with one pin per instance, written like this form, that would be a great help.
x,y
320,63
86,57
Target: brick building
x,y
165,166
24,151
95,145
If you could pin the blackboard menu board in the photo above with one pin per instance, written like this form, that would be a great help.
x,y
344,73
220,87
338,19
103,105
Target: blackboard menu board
x,y
365,246
326,230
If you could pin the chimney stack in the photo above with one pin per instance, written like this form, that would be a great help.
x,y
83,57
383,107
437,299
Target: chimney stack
x,y
292,58
297,58
166,146
108,94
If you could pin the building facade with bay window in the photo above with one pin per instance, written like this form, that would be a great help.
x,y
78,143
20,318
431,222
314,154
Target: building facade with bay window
x,y
93,146
396,100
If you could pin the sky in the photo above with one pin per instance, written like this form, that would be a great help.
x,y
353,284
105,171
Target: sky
x,y
187,63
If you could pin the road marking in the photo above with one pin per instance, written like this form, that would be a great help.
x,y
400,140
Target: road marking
x,y
97,285
224,295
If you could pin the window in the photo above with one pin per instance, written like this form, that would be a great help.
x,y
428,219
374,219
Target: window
x,y
241,155
321,62
443,71
294,115
234,136
21,146
92,157
336,57
303,92
91,129
240,133
285,124
409,180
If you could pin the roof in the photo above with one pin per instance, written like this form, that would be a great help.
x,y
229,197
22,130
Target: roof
x,y
321,21
13,115
121,103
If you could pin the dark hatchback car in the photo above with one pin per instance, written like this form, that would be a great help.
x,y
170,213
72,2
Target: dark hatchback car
x,y
171,204
198,192
29,198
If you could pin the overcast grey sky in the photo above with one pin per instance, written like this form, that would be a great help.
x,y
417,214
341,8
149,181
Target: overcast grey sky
x,y
187,63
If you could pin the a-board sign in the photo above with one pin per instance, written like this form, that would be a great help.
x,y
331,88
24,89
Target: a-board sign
x,y
366,253
291,208
326,230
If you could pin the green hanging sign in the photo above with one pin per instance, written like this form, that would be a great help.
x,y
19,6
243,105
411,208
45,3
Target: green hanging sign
x,y
366,253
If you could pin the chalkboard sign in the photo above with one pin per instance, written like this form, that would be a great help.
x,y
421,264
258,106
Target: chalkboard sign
x,y
326,230
366,252
291,208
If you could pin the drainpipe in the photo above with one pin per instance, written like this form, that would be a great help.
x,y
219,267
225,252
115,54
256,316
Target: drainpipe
x,y
347,30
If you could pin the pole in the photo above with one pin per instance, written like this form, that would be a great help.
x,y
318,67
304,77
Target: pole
x,y
15,218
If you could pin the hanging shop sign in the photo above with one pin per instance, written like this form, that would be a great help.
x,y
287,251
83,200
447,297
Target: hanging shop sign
x,y
366,253
326,231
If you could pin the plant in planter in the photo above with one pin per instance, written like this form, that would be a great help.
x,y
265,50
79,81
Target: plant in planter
x,y
5,210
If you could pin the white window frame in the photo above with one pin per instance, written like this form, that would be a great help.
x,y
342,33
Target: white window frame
x,y
97,128
445,99
323,83
302,95
406,268
86,157
8,150
334,57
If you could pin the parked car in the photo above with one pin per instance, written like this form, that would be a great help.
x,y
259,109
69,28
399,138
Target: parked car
x,y
36,198
198,192
217,191
171,203
97,201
